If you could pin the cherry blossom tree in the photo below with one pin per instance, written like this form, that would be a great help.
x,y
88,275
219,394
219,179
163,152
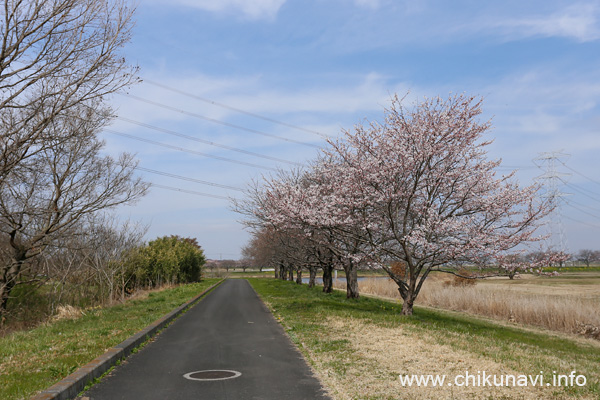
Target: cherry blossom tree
x,y
297,201
416,188
514,263
275,205
419,188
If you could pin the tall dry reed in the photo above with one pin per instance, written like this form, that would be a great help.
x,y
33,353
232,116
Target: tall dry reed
x,y
564,313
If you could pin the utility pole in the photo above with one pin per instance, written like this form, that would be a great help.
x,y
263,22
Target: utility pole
x,y
551,180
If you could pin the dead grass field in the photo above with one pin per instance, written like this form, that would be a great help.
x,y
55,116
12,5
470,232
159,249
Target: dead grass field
x,y
372,366
568,303
580,284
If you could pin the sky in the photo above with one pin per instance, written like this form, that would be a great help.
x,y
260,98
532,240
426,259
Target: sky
x,y
233,90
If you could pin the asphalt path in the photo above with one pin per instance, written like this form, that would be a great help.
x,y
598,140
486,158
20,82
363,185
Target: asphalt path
x,y
230,329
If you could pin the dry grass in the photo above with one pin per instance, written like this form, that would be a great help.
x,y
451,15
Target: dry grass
x,y
569,308
373,366
67,312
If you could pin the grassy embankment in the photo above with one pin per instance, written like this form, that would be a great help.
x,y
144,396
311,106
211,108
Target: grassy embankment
x,y
31,361
359,348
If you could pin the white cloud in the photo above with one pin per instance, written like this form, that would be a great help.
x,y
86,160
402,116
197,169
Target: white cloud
x,y
252,9
362,94
369,93
579,22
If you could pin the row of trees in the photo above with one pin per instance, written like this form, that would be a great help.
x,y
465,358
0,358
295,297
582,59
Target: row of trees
x,y
416,188
230,264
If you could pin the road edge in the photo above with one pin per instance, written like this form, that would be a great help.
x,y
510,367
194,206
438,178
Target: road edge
x,y
69,387
326,392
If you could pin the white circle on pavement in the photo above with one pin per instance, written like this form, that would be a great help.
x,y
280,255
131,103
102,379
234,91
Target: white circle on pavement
x,y
213,372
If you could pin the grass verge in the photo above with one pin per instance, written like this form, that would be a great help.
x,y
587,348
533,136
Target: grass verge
x,y
34,360
360,347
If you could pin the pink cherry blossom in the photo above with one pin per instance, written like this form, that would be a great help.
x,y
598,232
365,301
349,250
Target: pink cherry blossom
x,y
417,188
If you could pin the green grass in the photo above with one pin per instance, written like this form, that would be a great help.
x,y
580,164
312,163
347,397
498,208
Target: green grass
x,y
28,305
34,360
302,312
591,268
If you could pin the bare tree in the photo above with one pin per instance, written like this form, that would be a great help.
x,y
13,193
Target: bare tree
x,y
47,195
56,55
258,253
107,242
59,59
588,256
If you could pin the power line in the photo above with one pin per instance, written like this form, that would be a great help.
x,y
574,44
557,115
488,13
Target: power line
x,y
581,191
583,211
238,110
581,222
190,191
591,192
236,149
216,121
153,171
515,167
198,153
582,205
580,174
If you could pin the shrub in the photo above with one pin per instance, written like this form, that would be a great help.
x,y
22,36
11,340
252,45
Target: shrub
x,y
166,260
459,281
399,268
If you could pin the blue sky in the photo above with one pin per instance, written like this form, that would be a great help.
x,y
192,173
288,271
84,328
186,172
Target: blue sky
x,y
324,65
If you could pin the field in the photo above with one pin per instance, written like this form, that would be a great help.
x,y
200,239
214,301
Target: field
x,y
361,348
567,303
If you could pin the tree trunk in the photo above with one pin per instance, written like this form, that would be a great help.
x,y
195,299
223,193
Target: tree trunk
x,y
408,293
277,271
290,274
283,272
299,276
8,281
312,276
351,280
407,306
327,278
5,289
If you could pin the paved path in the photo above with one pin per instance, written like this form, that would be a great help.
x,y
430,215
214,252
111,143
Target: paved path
x,y
230,329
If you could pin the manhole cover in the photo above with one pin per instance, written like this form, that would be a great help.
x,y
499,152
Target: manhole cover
x,y
212,375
